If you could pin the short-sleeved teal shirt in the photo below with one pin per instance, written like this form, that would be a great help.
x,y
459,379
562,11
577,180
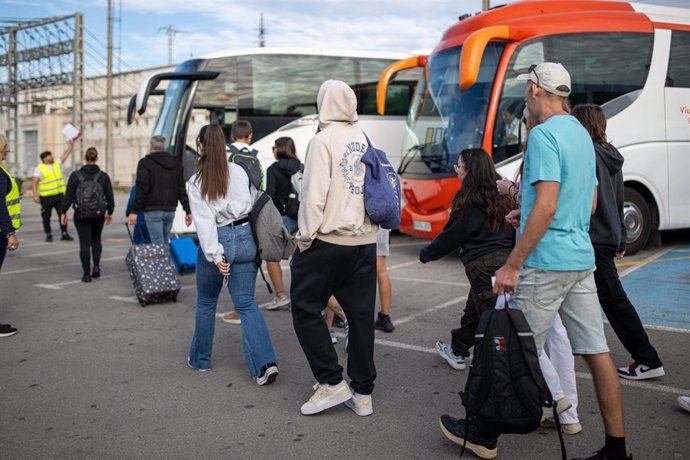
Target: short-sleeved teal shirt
x,y
560,150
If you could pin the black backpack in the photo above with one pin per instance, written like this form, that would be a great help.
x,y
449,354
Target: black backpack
x,y
90,199
249,161
292,205
505,389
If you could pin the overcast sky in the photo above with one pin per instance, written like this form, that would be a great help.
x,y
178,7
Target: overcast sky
x,y
213,25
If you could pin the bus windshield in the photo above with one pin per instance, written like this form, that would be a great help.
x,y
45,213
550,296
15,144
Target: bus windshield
x,y
443,120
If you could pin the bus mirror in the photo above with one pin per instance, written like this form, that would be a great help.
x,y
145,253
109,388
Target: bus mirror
x,y
473,50
131,108
387,75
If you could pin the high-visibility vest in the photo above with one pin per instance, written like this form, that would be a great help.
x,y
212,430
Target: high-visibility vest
x,y
12,200
52,182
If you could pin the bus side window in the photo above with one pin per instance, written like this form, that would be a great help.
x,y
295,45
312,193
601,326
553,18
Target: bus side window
x,y
678,75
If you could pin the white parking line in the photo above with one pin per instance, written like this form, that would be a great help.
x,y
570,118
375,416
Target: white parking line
x,y
646,261
57,286
52,266
421,280
133,299
404,264
441,306
53,253
581,375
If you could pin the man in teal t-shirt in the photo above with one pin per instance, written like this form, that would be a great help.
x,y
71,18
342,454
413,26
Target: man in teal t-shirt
x,y
561,151
550,270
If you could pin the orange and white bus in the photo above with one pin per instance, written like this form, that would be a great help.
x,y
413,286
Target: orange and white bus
x,y
633,59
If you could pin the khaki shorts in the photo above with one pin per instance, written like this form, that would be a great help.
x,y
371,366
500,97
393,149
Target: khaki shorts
x,y
542,294
382,240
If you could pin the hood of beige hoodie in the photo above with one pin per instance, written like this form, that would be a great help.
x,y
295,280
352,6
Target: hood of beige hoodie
x,y
332,199
336,102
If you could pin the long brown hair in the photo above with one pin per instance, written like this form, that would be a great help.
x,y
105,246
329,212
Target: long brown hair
x,y
592,117
479,188
212,169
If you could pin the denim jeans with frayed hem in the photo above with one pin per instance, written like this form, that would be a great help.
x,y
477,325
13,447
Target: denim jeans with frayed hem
x,y
159,224
240,252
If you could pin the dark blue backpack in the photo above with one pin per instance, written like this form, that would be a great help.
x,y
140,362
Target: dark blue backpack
x,y
381,188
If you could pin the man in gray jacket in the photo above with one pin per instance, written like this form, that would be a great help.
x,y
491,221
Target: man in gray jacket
x,y
336,255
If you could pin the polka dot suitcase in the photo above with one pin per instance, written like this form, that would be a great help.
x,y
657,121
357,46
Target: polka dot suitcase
x,y
153,274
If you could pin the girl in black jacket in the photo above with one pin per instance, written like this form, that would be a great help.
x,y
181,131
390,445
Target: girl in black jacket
x,y
279,187
478,230
89,229
607,231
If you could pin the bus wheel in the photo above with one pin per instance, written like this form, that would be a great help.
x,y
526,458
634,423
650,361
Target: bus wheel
x,y
637,219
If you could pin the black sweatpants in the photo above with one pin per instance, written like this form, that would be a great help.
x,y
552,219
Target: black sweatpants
x,y
89,231
621,314
480,298
48,203
348,273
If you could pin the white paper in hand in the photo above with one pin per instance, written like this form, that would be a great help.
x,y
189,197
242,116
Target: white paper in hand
x,y
71,132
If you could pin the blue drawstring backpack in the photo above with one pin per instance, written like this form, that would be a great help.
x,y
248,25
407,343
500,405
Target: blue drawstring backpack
x,y
381,188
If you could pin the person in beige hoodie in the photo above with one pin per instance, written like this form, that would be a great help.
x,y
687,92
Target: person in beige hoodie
x,y
336,255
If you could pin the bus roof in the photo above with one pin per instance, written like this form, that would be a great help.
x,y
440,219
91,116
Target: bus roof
x,y
530,18
305,51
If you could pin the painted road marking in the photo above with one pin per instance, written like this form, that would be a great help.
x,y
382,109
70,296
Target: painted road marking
x,y
404,264
438,307
421,280
634,268
52,253
133,299
78,264
581,375
58,286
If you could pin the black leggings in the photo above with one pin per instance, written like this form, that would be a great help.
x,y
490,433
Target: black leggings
x,y
89,231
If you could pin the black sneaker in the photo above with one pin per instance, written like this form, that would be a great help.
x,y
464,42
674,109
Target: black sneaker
x,y
268,374
480,445
66,237
601,455
96,272
6,330
384,323
49,238
86,278
337,322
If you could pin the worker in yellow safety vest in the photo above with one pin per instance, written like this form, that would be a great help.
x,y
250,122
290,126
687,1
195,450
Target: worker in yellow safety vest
x,y
49,188
9,217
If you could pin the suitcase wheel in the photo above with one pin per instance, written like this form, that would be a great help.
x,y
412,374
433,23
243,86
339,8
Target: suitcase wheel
x,y
142,303
174,298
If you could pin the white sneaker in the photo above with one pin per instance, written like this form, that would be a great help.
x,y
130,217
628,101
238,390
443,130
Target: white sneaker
x,y
325,397
279,302
446,351
360,404
637,371
547,421
684,402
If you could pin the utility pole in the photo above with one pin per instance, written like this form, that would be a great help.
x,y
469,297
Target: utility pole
x,y
485,5
78,82
109,98
170,32
262,32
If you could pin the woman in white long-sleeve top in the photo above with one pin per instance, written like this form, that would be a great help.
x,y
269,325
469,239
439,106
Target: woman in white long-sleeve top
x,y
221,199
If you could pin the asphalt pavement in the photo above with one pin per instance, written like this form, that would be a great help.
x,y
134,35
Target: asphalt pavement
x,y
91,374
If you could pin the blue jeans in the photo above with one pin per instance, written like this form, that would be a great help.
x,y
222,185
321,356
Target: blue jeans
x,y
159,224
290,223
240,252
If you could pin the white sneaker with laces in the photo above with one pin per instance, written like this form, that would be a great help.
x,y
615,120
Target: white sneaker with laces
x,y
360,404
279,302
325,397
446,351
684,402
637,371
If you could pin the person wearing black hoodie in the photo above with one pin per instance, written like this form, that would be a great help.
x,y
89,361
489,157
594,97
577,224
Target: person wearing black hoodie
x,y
607,232
160,184
279,186
89,229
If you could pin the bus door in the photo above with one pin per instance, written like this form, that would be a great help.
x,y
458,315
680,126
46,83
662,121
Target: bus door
x,y
677,99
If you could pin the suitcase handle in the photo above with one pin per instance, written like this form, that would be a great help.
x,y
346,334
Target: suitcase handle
x,y
129,232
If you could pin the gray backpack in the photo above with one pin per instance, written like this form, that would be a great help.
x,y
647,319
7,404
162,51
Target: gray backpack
x,y
273,241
